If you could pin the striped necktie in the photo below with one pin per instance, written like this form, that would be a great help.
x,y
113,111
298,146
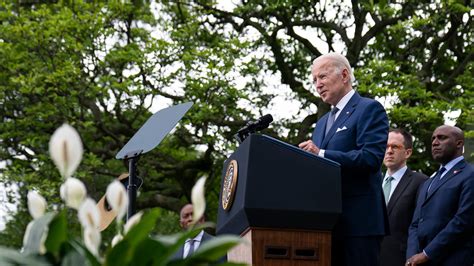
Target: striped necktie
x,y
331,119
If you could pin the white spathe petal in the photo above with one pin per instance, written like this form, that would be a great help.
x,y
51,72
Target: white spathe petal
x,y
92,240
135,219
116,239
117,198
36,204
89,214
65,147
198,200
42,245
27,233
73,192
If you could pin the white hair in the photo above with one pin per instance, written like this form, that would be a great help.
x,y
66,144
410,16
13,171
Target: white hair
x,y
339,61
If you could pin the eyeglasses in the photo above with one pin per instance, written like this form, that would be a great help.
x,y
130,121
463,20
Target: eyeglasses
x,y
395,147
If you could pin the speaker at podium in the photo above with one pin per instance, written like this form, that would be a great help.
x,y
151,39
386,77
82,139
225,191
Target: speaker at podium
x,y
283,200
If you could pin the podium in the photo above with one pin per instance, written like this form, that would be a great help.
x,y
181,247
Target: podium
x,y
282,200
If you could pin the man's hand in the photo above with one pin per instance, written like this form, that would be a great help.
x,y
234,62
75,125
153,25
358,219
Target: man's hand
x,y
417,259
309,147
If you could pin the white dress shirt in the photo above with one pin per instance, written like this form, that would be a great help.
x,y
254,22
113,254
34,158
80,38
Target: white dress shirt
x,y
397,176
340,105
197,242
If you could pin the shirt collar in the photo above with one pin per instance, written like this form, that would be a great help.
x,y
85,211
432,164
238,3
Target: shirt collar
x,y
343,102
197,238
398,174
452,163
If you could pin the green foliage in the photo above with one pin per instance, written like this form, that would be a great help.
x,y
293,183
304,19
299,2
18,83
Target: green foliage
x,y
136,248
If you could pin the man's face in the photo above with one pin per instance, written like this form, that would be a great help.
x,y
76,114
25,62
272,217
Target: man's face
x,y
331,84
396,155
186,216
444,145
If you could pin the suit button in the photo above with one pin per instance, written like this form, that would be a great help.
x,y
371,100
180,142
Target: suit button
x,y
421,220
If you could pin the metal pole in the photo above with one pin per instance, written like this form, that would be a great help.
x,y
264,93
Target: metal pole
x,y
132,186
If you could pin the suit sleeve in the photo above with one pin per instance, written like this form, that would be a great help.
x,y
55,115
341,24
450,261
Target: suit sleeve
x,y
461,225
412,242
370,142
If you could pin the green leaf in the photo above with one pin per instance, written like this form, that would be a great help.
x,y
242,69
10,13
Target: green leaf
x,y
216,248
13,257
142,230
74,258
84,253
58,232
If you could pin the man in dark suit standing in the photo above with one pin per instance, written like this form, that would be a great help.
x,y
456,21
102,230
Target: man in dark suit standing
x,y
353,134
442,230
191,245
400,186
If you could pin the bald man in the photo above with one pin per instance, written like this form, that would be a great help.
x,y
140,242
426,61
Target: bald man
x,y
442,229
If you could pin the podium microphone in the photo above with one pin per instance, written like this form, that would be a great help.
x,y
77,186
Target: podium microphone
x,y
253,126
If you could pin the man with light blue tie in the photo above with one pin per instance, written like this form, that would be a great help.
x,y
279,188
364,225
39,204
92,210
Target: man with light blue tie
x,y
442,230
354,134
192,244
400,186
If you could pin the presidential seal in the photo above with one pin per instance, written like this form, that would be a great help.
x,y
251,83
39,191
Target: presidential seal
x,y
230,183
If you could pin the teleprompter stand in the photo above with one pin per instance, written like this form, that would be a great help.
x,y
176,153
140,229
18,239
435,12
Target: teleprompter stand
x,y
147,138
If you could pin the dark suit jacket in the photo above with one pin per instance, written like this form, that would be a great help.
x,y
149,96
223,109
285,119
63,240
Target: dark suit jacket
x,y
443,222
205,237
357,141
400,210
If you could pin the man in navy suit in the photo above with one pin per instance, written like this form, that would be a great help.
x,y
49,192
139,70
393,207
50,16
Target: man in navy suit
x,y
400,186
442,230
192,244
353,134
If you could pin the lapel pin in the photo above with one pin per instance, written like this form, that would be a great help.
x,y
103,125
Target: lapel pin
x,y
456,171
347,112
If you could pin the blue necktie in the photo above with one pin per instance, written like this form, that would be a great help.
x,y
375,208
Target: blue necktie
x,y
331,119
436,179
387,187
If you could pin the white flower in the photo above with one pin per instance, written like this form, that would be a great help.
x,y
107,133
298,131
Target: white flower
x,y
116,239
89,215
117,198
135,219
198,200
42,247
36,204
73,192
65,147
27,233
92,240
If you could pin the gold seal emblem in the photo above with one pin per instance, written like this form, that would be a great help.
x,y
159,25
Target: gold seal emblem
x,y
230,183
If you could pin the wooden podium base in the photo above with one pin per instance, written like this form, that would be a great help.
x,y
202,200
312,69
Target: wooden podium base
x,y
280,247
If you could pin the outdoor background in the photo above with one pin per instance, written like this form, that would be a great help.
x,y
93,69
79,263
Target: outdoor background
x,y
105,67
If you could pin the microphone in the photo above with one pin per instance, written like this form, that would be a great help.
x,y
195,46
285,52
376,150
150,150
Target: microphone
x,y
253,126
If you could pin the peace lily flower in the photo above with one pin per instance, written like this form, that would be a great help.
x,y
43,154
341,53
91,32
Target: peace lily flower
x,y
89,215
198,200
92,239
27,233
36,204
73,192
65,147
42,247
116,239
117,198
135,219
